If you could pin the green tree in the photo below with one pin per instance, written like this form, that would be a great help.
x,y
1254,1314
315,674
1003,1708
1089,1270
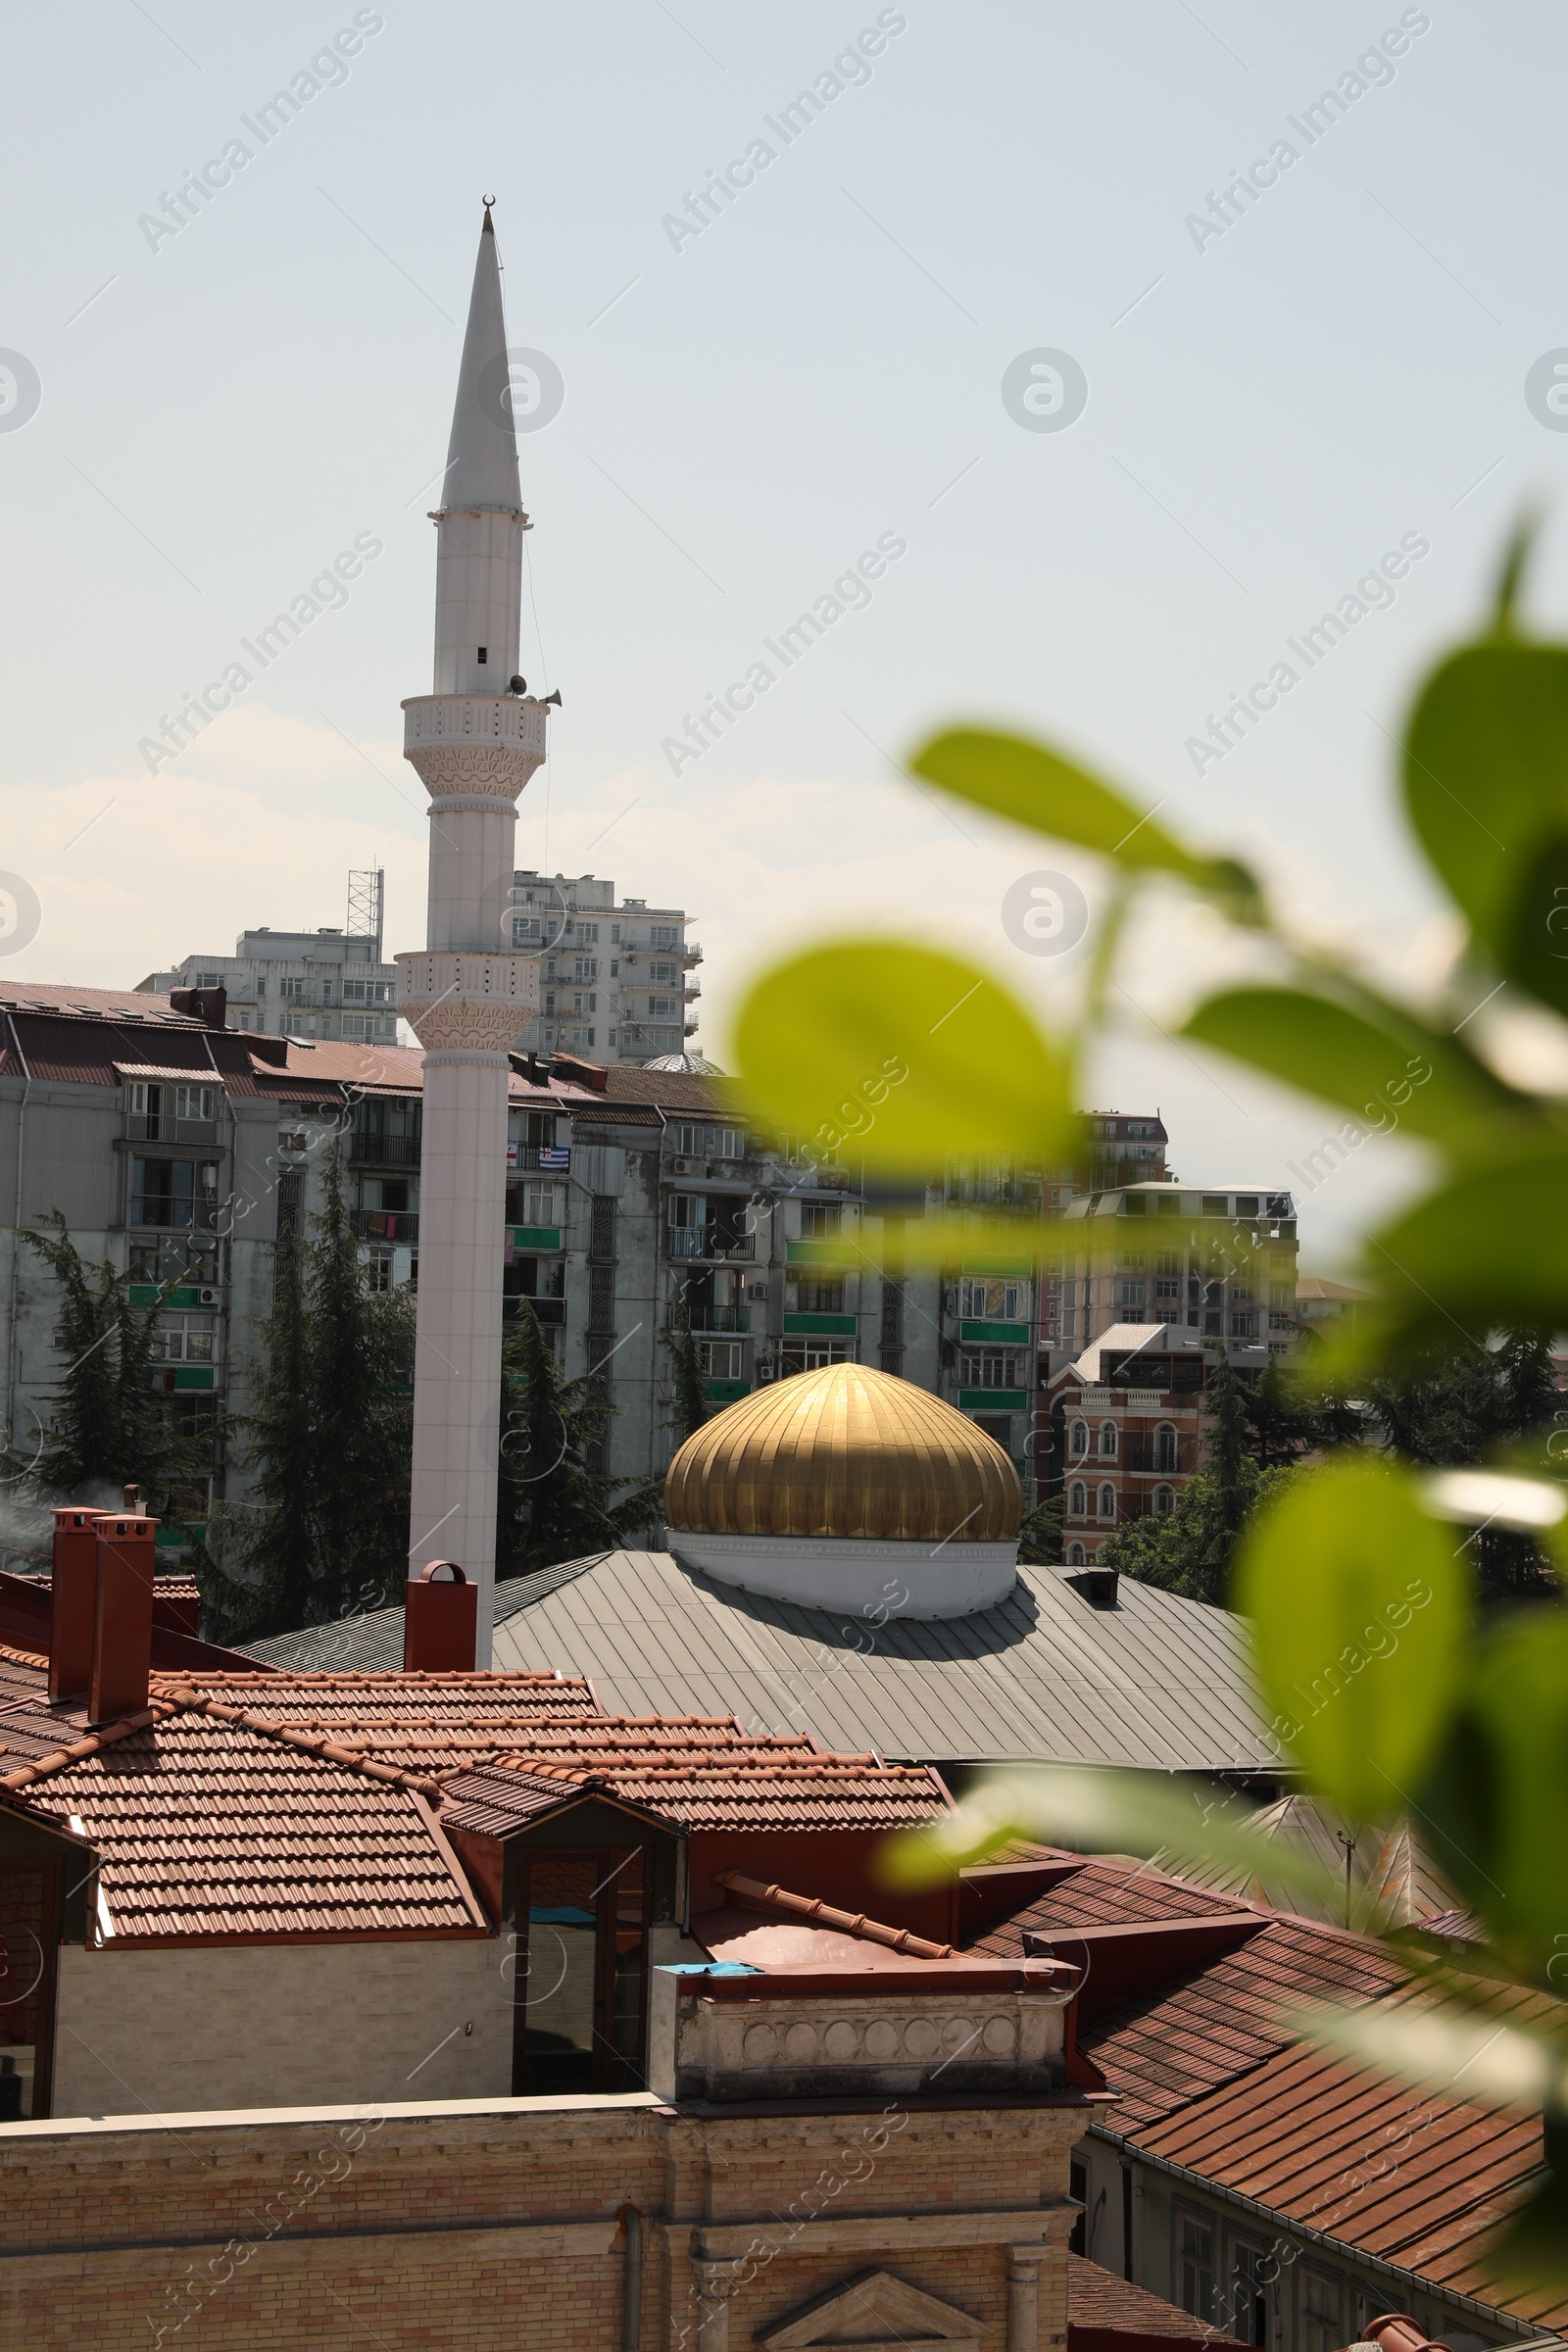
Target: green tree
x,y
554,1504
1458,1405
1291,1415
1040,1535
1192,1550
105,1424
326,1526
691,1403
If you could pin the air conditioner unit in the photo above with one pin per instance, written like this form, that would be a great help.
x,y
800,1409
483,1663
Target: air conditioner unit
x,y
208,1296
683,1168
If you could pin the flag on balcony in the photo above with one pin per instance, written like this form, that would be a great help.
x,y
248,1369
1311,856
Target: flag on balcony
x,y
555,1160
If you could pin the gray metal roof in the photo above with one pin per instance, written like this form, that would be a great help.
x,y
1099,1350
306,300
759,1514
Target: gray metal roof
x,y
1157,1682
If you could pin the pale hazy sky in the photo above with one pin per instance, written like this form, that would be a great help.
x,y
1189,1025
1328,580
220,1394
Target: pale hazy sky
x,y
1270,410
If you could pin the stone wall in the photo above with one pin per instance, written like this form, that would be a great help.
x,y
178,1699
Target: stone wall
x,y
495,2224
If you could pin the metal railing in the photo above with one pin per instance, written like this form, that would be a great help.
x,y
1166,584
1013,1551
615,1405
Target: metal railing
x,y
711,1241
162,1127
386,1224
369,1147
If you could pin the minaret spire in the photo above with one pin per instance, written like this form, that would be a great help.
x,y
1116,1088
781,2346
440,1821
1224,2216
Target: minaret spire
x,y
475,743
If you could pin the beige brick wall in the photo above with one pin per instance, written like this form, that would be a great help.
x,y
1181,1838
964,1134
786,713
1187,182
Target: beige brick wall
x,y
321,2024
494,2227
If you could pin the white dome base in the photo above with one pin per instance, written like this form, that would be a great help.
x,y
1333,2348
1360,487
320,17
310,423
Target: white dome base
x,y
871,1577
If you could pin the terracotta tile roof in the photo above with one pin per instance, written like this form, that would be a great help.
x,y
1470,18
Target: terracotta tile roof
x,y
710,1774
492,1801
1412,2177
434,1724
212,1824
1097,1892
1100,2303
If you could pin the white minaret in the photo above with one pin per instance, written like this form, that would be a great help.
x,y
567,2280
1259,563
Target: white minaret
x,y
475,743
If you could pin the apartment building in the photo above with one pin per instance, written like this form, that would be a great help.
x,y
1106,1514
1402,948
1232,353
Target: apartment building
x,y
617,981
1164,1280
327,983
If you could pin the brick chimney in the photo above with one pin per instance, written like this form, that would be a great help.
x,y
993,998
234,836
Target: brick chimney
x,y
440,1621
73,1600
122,1617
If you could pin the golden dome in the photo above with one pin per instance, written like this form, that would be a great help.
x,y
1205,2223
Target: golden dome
x,y
845,1452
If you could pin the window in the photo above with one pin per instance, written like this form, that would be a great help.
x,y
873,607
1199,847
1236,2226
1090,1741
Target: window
x,y
663,975
163,1192
819,1296
1078,2191
1282,1293
297,1024
175,1264
809,1356
662,1008
1166,1458
585,967
368,992
1167,1290
1077,1500
292,991
1108,1440
1108,1501
1129,1294
542,1204
688,1209
1075,1555
663,935
1164,1502
29,1944
991,1302
820,1220
998,1427
588,933
1244,1327
720,1358
584,1970
1320,2312
990,1368
183,1340
1195,2266
1248,2317
1078,1440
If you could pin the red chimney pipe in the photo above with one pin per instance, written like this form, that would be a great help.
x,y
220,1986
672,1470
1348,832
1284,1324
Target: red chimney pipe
x,y
440,1621
73,1600
123,1618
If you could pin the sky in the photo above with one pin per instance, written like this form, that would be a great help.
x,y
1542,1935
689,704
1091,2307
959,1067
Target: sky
x,y
988,303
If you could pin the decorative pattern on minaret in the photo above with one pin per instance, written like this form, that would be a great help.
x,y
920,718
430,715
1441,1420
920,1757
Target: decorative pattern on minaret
x,y
465,994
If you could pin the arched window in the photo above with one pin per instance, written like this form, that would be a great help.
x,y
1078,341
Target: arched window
x,y
1164,1502
1075,1555
1078,1440
1165,1447
1108,1501
1077,1500
1108,1440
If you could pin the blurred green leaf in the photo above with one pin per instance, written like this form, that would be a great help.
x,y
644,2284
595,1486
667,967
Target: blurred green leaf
x,y
1465,2053
1489,1248
1390,1074
905,1056
1485,784
1112,1812
1040,788
1493,1805
1359,1604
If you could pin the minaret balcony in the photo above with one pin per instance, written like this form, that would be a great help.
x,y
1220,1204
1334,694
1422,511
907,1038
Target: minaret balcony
x,y
484,745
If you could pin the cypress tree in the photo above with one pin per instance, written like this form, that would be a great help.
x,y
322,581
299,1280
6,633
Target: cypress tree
x,y
552,1504
106,1425
328,1440
686,1365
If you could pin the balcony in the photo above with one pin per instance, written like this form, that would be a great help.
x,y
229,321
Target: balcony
x,y
713,1243
547,1311
168,1215
708,1321
526,1158
160,1127
369,1149
386,1224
